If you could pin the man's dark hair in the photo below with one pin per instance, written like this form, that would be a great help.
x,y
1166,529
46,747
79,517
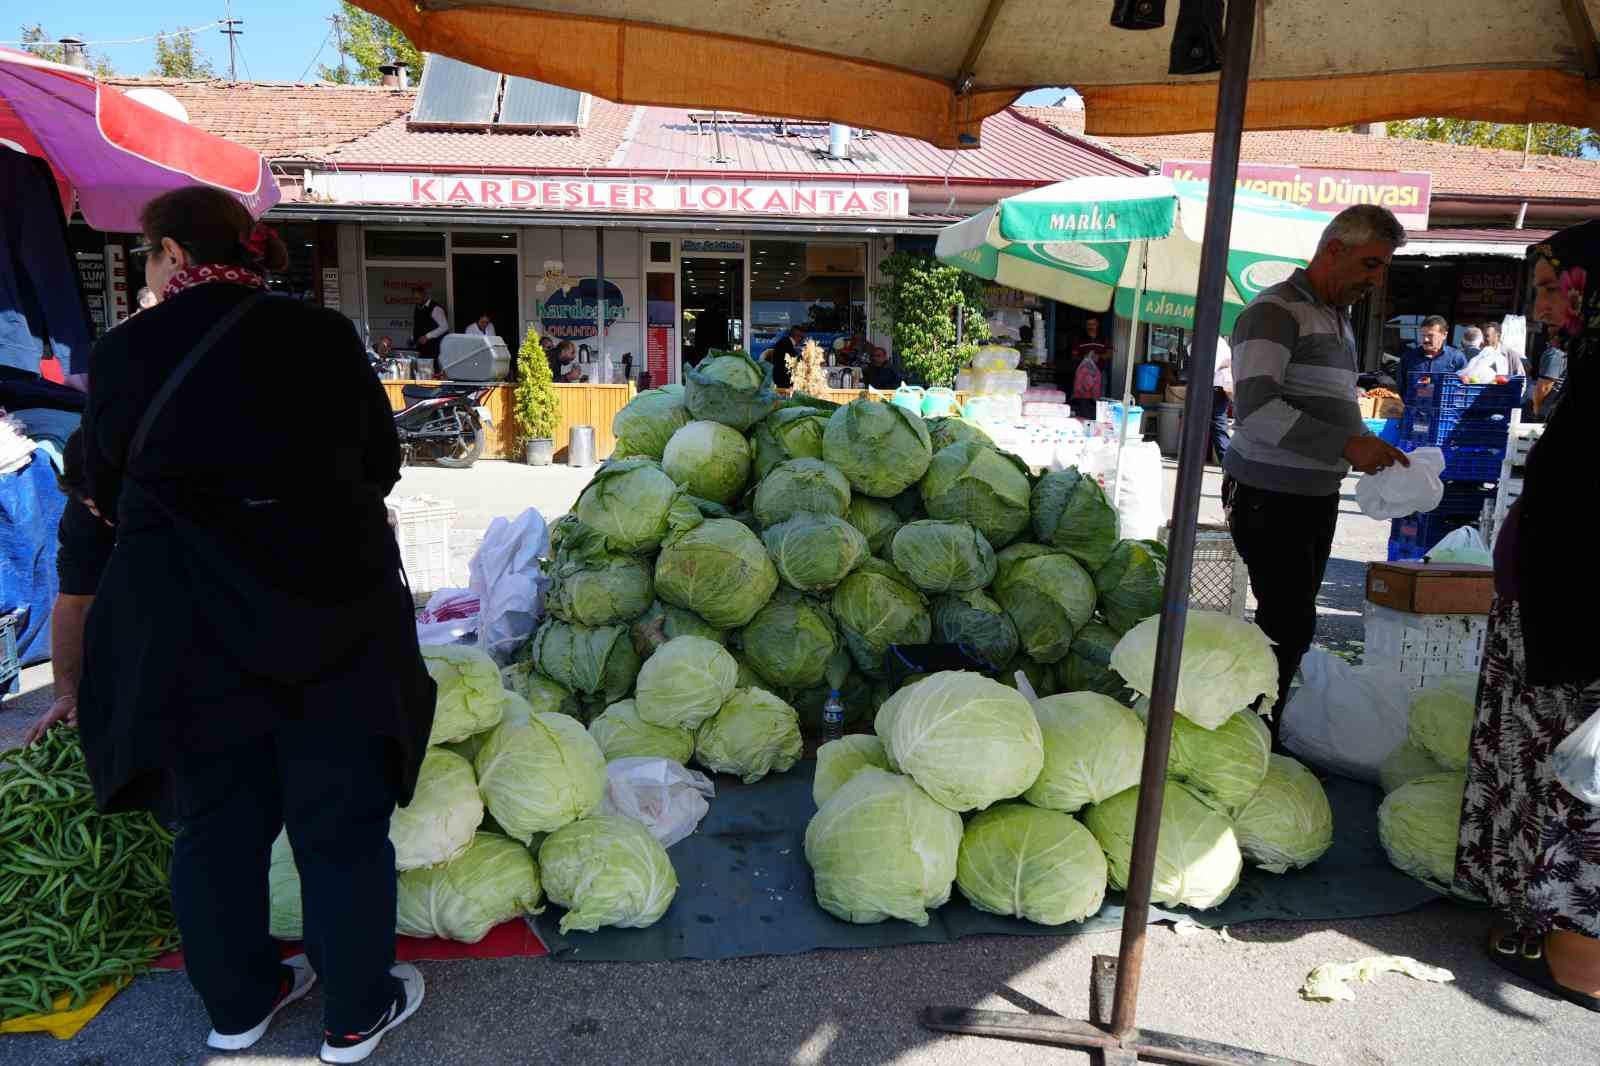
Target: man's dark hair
x,y
1436,320
566,346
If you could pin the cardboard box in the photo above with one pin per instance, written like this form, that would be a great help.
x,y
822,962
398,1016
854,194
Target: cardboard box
x,y
1149,400
1431,588
1176,394
1381,407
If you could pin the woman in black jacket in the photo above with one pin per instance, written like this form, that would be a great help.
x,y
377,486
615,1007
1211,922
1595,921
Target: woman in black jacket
x,y
251,649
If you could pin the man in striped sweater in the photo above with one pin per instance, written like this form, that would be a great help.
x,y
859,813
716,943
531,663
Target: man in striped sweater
x,y
1298,430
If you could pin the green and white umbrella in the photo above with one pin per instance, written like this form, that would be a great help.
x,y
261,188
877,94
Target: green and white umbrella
x,y
1082,242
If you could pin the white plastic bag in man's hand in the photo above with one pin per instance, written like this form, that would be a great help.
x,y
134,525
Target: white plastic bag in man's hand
x,y
509,583
666,797
1576,761
1344,718
1397,491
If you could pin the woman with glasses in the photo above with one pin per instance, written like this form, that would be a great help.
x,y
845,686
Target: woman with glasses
x,y
251,647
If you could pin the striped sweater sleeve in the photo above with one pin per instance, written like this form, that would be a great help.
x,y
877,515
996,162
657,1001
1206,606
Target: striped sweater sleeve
x,y
1264,341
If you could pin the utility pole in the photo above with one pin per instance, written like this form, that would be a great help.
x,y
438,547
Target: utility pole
x,y
338,33
230,31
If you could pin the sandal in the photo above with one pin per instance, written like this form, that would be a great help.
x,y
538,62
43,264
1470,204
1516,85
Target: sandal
x,y
1525,959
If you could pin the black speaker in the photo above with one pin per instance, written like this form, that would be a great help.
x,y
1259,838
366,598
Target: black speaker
x,y
1197,38
1139,14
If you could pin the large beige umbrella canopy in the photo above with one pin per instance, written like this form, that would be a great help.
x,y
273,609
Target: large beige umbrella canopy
x,y
934,69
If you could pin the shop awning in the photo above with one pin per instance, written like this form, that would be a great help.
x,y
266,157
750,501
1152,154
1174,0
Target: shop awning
x,y
933,69
1436,243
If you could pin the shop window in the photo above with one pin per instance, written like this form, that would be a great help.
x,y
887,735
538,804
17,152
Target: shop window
x,y
482,239
818,285
300,279
660,251
404,244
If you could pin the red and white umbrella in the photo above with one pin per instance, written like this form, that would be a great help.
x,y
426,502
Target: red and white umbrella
x,y
113,153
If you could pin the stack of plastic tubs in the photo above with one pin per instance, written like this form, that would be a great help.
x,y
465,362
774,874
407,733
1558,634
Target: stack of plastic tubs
x,y
1471,425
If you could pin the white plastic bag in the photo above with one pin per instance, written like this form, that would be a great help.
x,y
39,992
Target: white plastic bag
x,y
1462,545
1576,761
509,584
1514,342
665,796
1343,718
451,615
1397,491
1140,503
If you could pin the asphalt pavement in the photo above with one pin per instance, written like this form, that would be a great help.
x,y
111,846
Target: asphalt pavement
x,y
848,1007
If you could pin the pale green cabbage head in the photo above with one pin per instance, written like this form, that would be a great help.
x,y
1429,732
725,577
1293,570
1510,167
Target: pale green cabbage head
x,y
720,570
537,772
880,848
814,552
708,459
800,485
1093,749
493,881
1029,863
1049,596
790,641
1071,514
840,760
469,691
882,448
1404,765
592,586
731,388
634,504
444,812
284,919
754,734
1198,861
787,433
1441,719
649,420
967,740
685,682
877,521
1224,766
943,556
607,870
975,484
1419,826
1227,662
621,733
1288,824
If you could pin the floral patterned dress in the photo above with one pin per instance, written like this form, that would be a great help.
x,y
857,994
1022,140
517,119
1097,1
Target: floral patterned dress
x,y
1527,846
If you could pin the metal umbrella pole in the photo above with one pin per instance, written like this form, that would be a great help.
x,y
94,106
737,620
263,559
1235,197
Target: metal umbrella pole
x,y
1140,278
1114,983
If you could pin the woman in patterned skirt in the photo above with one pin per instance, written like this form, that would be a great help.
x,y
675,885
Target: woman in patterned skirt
x,y
1528,846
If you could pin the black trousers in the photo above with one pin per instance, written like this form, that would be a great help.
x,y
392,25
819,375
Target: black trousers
x,y
1219,425
332,789
1285,541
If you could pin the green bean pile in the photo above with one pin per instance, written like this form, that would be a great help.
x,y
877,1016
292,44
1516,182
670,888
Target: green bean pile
x,y
83,895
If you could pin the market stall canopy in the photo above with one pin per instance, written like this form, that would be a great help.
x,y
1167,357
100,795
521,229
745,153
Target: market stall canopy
x,y
1071,241
933,69
113,152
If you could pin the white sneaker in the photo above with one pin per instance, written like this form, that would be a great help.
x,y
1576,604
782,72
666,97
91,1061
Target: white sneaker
x,y
355,1047
304,978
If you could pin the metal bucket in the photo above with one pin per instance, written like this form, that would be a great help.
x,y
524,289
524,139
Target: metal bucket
x,y
580,450
540,451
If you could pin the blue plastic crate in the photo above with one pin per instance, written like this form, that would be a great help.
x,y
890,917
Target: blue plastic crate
x,y
1411,537
1465,498
1390,434
1423,426
1445,392
1466,464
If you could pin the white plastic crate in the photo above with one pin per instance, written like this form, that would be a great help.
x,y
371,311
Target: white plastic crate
x,y
1422,647
1523,438
1219,581
10,665
422,528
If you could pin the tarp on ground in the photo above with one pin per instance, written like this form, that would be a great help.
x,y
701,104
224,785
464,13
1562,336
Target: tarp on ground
x,y
744,887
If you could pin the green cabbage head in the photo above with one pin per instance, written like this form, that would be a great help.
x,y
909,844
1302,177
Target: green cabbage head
x,y
1404,765
880,848
1131,583
943,556
634,505
877,606
814,552
709,460
438,823
1071,513
597,661
731,388
649,420
1048,595
788,433
685,682
840,760
595,587
540,692
1087,667
1287,824
1224,766
719,570
943,432
469,691
537,772
493,881
1029,863
1198,861
621,733
1227,662
1093,749
976,620
967,741
877,521
881,447
797,486
790,641
975,484
1419,826
662,622
1441,719
607,870
754,734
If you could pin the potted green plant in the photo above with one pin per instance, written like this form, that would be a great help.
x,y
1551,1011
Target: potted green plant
x,y
535,408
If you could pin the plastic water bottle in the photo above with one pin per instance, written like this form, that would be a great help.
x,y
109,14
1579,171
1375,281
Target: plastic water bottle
x,y
832,717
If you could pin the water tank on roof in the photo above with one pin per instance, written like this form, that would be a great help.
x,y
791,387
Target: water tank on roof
x,y
159,100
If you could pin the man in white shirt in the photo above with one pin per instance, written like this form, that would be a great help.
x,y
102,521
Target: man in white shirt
x,y
1490,361
1221,398
483,327
428,323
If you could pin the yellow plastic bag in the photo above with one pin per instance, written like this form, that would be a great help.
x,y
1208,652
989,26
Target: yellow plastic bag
x,y
61,1023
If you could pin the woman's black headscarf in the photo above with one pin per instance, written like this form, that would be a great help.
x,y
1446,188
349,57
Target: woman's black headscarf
x,y
1559,584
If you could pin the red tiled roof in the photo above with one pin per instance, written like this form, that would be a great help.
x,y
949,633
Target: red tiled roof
x,y
1457,170
282,120
394,144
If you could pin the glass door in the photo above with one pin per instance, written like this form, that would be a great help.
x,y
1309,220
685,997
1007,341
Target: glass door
x,y
713,305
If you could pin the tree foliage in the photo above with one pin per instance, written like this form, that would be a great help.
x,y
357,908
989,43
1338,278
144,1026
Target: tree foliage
x,y
370,43
921,299
1549,138
534,404
37,42
177,57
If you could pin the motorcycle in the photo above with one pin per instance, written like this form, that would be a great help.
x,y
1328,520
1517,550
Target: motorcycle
x,y
443,424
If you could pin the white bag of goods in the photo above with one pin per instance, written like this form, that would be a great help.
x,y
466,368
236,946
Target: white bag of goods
x,y
1344,718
